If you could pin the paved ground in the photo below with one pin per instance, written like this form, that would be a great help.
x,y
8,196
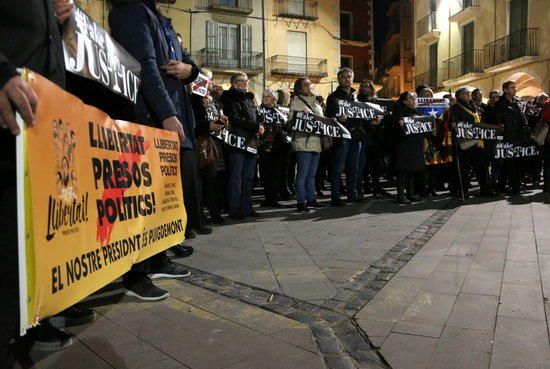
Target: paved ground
x,y
372,286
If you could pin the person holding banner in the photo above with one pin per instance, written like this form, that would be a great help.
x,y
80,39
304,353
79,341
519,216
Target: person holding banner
x,y
409,150
545,121
241,110
471,153
307,146
162,102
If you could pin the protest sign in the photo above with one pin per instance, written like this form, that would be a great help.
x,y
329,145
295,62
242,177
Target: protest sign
x,y
95,197
418,125
316,125
431,106
233,140
90,52
476,132
357,110
270,116
506,150
200,85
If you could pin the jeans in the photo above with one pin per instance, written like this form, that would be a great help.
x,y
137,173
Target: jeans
x,y
242,166
355,164
305,176
337,165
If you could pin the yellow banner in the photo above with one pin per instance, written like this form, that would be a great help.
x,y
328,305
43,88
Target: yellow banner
x,y
100,195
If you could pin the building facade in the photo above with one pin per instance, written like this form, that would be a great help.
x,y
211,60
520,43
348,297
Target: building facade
x,y
356,35
395,71
483,43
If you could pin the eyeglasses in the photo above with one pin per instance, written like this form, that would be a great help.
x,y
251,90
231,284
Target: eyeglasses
x,y
242,80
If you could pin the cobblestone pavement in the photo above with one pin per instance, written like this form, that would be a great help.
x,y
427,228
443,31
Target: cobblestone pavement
x,y
466,289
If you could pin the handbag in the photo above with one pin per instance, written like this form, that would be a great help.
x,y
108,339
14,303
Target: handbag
x,y
207,150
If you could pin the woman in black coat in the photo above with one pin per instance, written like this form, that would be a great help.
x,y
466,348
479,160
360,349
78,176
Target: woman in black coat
x,y
409,150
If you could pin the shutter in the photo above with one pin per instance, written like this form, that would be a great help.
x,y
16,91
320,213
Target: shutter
x,y
246,45
211,42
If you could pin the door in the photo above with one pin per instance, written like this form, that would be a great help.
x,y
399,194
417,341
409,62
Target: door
x,y
517,21
297,52
228,45
467,49
432,58
247,60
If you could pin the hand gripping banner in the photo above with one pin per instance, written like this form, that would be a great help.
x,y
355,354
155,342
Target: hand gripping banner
x,y
95,196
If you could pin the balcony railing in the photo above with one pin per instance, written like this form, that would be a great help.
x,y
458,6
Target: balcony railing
x,y
393,30
426,24
429,78
524,42
284,65
470,61
232,6
220,59
465,5
297,9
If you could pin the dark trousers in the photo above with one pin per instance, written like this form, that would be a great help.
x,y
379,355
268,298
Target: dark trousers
x,y
9,304
242,166
406,182
291,172
271,173
547,167
373,168
192,194
511,174
209,187
477,159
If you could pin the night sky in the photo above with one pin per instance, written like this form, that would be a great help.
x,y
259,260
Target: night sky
x,y
380,26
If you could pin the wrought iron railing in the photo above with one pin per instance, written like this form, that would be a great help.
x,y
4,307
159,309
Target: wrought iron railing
x,y
465,5
229,59
431,78
244,6
299,9
523,42
297,66
470,61
426,24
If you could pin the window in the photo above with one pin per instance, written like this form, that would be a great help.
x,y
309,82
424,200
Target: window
x,y
297,51
229,45
346,25
468,48
346,62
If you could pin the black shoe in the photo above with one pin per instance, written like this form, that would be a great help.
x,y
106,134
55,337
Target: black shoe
x,y
403,200
487,193
414,198
236,216
254,214
285,196
181,250
75,315
302,208
49,338
315,204
217,219
271,204
359,200
145,290
203,230
337,202
169,269
190,234
378,195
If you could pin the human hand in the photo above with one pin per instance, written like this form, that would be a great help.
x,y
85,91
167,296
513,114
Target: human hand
x,y
17,96
261,130
215,126
224,119
63,10
342,118
401,122
178,69
173,124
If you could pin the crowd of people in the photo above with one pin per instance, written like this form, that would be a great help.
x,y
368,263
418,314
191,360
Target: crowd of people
x,y
219,179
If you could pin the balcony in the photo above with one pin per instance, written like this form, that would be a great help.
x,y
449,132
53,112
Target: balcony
x,y
226,6
464,67
296,66
430,78
426,28
513,50
393,32
230,61
296,9
468,10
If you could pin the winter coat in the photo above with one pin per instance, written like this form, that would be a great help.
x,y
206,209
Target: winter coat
x,y
301,141
508,113
409,150
241,110
29,37
138,27
354,126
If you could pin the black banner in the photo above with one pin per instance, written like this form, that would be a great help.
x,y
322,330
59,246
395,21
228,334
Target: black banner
x,y
474,132
418,125
270,116
233,140
357,110
316,125
90,52
508,151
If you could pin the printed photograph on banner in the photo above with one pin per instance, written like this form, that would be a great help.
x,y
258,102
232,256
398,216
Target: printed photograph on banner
x,y
431,106
104,194
200,85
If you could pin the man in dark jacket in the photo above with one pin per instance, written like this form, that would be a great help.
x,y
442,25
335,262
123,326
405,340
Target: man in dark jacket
x,y
240,109
162,102
516,131
345,152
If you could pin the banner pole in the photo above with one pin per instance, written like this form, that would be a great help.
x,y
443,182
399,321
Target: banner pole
x,y
21,226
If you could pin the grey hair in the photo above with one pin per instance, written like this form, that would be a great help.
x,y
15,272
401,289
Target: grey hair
x,y
237,75
270,92
207,72
344,70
